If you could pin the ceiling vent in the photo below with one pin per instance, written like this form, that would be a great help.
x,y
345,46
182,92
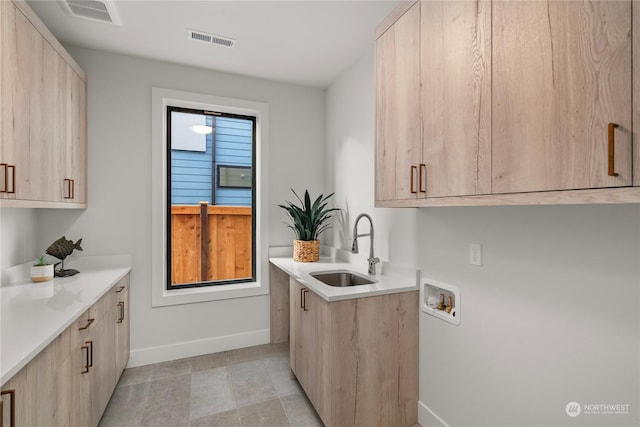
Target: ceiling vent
x,y
203,37
94,10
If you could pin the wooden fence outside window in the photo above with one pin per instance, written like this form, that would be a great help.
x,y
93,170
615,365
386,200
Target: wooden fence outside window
x,y
210,243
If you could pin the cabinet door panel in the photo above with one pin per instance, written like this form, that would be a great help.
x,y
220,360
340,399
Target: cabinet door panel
x,y
7,87
21,71
48,145
456,96
309,345
398,133
104,363
561,73
122,333
76,146
80,411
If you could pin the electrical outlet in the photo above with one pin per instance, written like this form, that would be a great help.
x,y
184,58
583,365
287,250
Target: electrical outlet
x,y
475,254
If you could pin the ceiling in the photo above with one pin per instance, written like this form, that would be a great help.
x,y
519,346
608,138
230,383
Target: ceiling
x,y
301,42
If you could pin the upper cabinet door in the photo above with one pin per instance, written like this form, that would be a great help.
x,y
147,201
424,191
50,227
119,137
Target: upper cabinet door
x,y
456,97
561,74
75,177
398,133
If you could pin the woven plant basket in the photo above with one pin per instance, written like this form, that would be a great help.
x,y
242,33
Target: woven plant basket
x,y
306,250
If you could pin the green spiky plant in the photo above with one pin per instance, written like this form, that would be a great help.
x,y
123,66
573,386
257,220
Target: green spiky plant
x,y
41,261
308,219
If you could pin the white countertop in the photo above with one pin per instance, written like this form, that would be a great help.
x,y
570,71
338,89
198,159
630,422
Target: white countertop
x,y
32,315
387,283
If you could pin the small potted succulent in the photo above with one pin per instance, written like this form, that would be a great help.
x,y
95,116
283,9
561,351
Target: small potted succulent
x,y
308,220
42,270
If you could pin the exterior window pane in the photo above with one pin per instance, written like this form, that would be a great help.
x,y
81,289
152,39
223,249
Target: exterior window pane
x,y
211,235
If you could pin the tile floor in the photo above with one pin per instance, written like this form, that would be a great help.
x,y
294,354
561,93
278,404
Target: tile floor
x,y
249,387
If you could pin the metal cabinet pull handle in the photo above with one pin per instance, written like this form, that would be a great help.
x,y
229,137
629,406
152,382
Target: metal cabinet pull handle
x,y
13,179
12,407
89,322
73,188
612,156
6,177
90,353
121,315
86,359
120,289
304,299
422,177
413,184
67,181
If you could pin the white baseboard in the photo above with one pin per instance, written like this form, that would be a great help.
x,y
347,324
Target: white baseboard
x,y
428,418
164,353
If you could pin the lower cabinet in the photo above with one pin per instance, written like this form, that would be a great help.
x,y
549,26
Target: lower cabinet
x,y
122,326
356,359
70,382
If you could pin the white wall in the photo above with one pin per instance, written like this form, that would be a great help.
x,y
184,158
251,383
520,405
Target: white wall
x,y
551,317
118,217
18,242
350,169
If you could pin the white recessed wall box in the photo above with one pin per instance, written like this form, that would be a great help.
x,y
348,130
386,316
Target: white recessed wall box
x,y
440,300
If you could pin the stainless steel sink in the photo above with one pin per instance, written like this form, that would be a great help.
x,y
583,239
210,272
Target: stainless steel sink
x,y
341,278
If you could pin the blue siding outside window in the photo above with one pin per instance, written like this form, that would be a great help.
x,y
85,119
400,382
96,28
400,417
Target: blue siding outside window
x,y
234,147
193,172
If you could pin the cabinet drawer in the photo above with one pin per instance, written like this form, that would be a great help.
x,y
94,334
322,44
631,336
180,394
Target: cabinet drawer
x,y
103,307
81,328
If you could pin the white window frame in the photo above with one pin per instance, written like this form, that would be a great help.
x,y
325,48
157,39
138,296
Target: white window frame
x,y
160,100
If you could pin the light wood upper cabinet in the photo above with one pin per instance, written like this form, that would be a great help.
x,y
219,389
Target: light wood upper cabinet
x,y
43,119
74,178
455,52
522,102
561,73
397,98
21,64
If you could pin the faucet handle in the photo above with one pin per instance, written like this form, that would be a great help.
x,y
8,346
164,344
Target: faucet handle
x,y
372,264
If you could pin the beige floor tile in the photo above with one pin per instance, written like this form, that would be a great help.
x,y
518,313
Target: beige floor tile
x,y
223,419
264,414
167,402
249,354
125,407
250,383
282,378
139,375
171,369
249,387
210,393
300,412
209,361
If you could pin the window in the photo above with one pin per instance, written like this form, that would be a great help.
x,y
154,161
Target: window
x,y
210,237
184,129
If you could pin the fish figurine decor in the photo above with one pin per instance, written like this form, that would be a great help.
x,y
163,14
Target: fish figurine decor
x,y
61,249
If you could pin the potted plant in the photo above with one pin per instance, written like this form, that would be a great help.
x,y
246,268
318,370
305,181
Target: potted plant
x,y
308,220
42,270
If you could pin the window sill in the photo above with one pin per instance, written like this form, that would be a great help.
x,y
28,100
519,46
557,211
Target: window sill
x,y
207,293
